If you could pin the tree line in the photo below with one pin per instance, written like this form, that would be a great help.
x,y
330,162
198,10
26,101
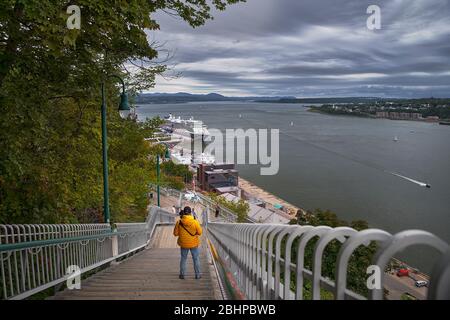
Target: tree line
x,y
50,133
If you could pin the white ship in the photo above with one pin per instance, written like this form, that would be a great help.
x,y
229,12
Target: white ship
x,y
193,136
179,158
187,127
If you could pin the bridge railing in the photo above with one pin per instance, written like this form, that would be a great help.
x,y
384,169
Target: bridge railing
x,y
259,256
225,213
36,257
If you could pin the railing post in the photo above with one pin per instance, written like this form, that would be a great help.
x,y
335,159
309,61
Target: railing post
x,y
115,244
440,279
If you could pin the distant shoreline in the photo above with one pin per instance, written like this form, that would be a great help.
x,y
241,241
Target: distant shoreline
x,y
364,115
183,97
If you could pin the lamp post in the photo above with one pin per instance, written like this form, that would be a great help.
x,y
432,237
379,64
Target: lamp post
x,y
158,172
124,111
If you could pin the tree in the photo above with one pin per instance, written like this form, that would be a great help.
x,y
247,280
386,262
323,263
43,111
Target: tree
x,y
170,168
50,152
35,42
240,207
358,263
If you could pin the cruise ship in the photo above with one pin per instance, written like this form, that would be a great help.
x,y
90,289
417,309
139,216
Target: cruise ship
x,y
191,134
179,158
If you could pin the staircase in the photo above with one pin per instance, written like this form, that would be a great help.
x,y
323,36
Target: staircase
x,y
149,275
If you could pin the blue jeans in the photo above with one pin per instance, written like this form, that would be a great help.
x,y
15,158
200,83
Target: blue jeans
x,y
195,252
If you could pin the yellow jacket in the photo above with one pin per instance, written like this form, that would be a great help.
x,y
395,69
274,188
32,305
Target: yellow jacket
x,y
188,239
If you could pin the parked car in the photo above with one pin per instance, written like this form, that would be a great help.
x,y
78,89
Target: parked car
x,y
402,272
421,283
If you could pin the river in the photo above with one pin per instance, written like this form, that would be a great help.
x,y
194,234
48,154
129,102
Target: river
x,y
345,164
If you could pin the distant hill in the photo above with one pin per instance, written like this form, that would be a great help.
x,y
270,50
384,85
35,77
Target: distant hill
x,y
357,100
325,100
183,97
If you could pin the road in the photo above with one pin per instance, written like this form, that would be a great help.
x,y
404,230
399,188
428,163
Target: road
x,y
400,285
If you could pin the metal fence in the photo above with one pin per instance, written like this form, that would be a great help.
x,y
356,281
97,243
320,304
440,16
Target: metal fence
x,y
36,257
259,257
225,213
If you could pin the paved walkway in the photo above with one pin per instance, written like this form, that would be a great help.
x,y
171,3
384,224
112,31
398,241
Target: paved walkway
x,y
150,275
270,199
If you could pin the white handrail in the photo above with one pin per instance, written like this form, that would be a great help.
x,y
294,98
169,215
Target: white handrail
x,y
41,254
243,249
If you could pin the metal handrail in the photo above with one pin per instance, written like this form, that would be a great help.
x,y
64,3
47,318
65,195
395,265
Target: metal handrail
x,y
36,257
44,243
249,254
225,213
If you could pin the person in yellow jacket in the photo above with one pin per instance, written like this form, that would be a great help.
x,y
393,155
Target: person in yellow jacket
x,y
188,231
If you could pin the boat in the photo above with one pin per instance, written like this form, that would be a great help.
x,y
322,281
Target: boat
x,y
445,123
179,158
395,139
193,135
186,127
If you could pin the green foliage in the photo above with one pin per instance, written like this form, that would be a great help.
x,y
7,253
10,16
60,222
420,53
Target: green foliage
x,y
172,175
407,296
50,133
169,168
360,260
240,208
53,172
307,292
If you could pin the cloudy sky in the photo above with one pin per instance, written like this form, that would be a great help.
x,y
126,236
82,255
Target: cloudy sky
x,y
312,48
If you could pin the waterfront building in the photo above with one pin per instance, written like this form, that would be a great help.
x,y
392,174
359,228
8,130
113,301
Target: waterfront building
x,y
399,115
382,114
432,119
219,178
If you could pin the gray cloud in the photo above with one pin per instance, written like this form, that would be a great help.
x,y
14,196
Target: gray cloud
x,y
313,48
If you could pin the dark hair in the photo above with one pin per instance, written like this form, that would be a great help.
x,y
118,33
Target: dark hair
x,y
187,210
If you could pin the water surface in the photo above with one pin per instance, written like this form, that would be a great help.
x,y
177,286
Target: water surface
x,y
340,163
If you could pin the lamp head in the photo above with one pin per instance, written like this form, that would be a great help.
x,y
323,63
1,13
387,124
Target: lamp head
x,y
167,153
124,107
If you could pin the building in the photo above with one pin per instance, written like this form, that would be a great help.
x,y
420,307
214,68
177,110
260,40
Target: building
x,y
382,114
218,178
432,119
399,115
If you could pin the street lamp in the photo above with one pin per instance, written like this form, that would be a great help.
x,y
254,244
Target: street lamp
x,y
124,111
158,172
